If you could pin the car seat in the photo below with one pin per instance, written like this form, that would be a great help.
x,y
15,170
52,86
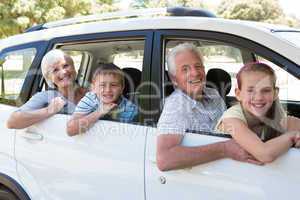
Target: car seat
x,y
132,80
220,80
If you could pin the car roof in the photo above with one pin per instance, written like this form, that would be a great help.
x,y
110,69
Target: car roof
x,y
259,32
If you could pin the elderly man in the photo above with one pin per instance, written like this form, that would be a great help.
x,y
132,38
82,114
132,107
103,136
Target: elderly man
x,y
191,106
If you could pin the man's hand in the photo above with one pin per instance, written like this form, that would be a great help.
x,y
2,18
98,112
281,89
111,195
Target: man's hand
x,y
236,152
56,105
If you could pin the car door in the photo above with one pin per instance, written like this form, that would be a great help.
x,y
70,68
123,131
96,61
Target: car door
x,y
225,178
222,179
107,162
16,65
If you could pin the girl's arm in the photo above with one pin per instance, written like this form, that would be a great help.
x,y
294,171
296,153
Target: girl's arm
x,y
264,152
291,123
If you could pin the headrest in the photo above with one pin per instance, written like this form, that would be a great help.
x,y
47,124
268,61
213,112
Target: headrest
x,y
132,80
220,80
168,85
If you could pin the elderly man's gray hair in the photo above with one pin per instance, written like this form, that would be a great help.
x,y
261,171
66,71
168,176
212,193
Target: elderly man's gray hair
x,y
49,60
179,49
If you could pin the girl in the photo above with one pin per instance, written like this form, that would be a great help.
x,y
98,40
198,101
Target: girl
x,y
258,121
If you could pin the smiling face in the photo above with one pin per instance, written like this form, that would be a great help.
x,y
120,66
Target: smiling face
x,y
257,92
108,86
62,73
190,74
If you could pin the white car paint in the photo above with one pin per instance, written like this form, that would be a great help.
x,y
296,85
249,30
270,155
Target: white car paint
x,y
222,179
107,162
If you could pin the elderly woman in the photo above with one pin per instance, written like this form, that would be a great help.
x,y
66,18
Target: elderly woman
x,y
59,73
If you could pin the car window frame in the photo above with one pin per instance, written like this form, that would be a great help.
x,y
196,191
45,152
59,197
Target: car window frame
x,y
160,36
29,82
147,35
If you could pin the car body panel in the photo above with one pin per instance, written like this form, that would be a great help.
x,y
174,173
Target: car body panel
x,y
258,32
107,158
7,136
222,179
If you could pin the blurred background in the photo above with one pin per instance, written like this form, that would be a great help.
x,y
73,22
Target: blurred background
x,y
18,15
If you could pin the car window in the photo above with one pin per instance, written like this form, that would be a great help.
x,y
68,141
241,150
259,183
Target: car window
x,y
14,68
126,54
231,58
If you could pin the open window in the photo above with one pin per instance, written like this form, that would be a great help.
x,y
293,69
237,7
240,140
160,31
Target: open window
x,y
228,55
126,54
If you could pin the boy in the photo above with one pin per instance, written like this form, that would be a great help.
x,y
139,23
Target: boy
x,y
104,101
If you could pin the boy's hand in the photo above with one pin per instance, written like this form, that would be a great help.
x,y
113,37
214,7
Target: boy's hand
x,y
106,108
56,105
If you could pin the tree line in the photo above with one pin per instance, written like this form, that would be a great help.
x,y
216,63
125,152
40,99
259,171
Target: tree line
x,y
18,15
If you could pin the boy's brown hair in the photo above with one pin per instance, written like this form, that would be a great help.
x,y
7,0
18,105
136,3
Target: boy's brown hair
x,y
108,68
256,67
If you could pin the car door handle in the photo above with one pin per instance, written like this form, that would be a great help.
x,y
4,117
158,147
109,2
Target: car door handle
x,y
31,135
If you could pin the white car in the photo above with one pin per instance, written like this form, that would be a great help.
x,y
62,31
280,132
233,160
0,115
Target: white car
x,y
116,160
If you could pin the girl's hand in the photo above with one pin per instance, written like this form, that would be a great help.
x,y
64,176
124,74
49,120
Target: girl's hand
x,y
297,140
106,108
55,105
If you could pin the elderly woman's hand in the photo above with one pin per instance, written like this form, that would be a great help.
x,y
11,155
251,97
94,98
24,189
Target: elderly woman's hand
x,y
56,105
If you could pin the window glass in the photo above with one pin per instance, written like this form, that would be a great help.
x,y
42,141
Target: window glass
x,y
132,59
77,58
288,85
13,72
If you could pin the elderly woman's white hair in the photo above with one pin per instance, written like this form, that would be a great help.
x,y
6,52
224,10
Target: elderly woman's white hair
x,y
177,50
49,60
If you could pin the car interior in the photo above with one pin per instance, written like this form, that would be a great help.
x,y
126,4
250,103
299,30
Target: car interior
x,y
222,61
90,55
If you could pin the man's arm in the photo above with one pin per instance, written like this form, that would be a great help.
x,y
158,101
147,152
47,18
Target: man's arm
x,y
172,155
